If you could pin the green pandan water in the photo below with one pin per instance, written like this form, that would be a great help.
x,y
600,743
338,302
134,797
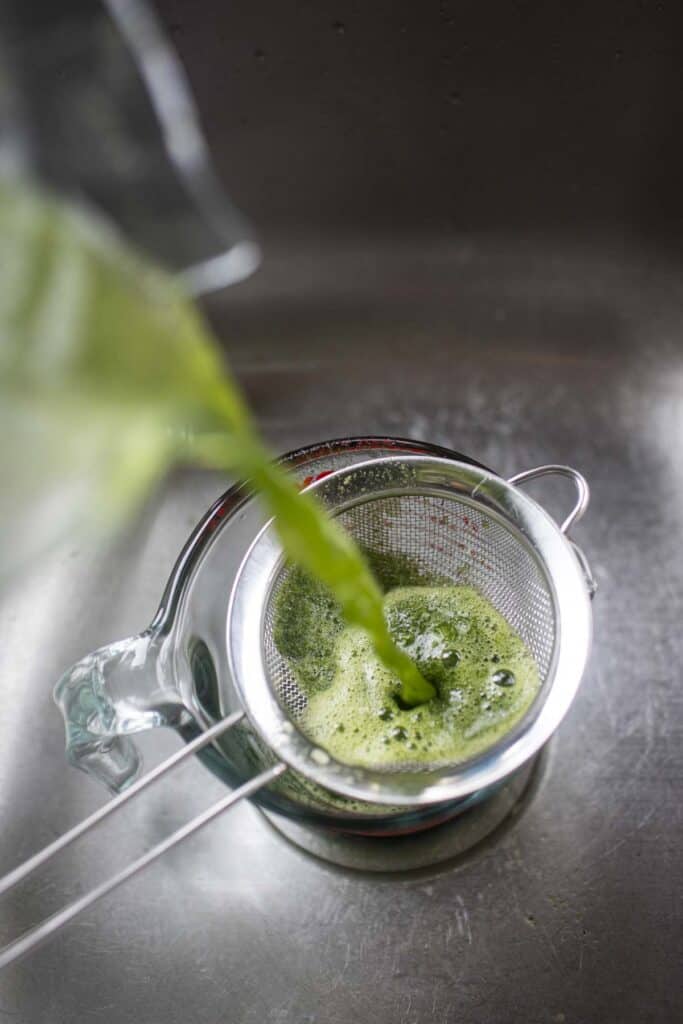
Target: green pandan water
x,y
108,375
484,675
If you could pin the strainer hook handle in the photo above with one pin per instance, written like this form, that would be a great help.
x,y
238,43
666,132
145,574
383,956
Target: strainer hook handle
x,y
582,499
582,488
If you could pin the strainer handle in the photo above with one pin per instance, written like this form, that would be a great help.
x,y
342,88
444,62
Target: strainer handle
x,y
583,491
40,933
582,499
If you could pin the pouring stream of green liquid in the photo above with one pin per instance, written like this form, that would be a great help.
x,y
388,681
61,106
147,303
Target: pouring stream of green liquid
x,y
108,375
314,541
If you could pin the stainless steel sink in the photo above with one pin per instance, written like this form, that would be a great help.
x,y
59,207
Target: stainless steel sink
x,y
472,225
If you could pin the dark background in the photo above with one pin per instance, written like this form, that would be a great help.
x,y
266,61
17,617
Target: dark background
x,y
466,115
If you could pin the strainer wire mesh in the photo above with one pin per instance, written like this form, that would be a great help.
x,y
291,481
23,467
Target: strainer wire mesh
x,y
448,540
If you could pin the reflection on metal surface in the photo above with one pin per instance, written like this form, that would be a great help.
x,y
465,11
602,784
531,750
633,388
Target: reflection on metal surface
x,y
422,849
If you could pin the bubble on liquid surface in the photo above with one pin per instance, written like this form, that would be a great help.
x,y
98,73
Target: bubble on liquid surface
x,y
320,757
503,677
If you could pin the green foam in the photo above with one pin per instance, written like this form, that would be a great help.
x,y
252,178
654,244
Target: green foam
x,y
484,674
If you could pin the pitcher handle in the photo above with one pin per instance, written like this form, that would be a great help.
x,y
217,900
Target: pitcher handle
x,y
110,694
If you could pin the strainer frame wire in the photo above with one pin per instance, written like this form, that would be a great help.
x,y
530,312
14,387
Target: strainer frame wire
x,y
519,514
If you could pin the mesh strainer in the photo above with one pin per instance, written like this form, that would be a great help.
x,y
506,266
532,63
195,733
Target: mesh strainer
x,y
456,523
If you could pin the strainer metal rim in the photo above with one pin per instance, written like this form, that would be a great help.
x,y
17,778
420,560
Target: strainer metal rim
x,y
553,553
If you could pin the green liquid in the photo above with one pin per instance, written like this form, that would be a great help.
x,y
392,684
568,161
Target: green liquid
x,y
484,676
312,540
109,375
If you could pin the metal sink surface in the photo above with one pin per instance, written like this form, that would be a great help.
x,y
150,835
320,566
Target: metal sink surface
x,y
520,318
